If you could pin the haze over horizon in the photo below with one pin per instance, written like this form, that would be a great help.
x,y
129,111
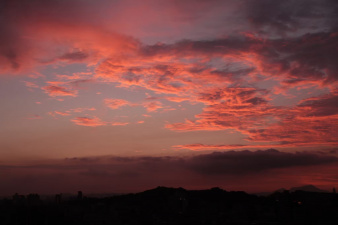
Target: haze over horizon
x,y
123,96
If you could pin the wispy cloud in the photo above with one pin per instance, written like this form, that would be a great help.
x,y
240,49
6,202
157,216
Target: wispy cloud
x,y
116,103
55,91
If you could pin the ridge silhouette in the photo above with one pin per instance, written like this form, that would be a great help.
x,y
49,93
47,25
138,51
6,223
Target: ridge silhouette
x,y
164,205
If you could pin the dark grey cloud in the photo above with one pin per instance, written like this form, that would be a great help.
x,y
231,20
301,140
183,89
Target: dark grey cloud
x,y
229,45
124,174
247,162
322,106
307,58
74,56
216,163
256,101
291,16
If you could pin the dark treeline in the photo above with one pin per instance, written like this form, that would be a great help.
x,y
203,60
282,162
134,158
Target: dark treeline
x,y
166,206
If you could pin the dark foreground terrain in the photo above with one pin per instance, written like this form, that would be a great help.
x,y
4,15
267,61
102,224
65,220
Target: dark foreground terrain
x,y
174,206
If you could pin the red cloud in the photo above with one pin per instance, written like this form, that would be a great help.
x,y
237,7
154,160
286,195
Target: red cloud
x,y
220,73
184,70
231,108
152,106
312,122
48,32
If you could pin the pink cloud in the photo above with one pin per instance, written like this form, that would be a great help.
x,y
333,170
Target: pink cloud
x,y
221,73
59,91
75,76
153,106
34,117
79,110
231,108
44,35
31,84
177,99
95,122
59,113
184,70
90,122
62,113
312,122
119,123
211,147
162,68
116,103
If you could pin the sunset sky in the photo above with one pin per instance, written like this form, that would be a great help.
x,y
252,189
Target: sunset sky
x,y
125,95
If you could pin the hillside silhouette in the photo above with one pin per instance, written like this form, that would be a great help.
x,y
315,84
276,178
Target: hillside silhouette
x,y
164,205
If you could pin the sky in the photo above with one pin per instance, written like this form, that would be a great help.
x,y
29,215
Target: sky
x,y
122,96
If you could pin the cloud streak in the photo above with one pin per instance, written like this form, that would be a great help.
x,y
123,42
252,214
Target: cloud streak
x,y
89,122
54,91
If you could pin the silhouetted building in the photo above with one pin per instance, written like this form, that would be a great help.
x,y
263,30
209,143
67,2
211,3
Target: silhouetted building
x,y
18,199
178,200
33,199
175,206
79,195
58,198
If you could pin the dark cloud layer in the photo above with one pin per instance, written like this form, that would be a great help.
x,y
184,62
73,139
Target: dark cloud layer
x,y
246,162
324,106
133,173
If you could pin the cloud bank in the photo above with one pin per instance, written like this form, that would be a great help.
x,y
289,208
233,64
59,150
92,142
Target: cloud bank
x,y
231,170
